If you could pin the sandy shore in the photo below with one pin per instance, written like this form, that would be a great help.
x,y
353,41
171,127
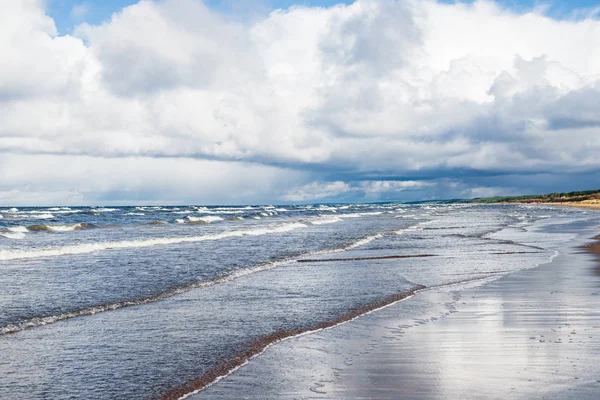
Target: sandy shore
x,y
591,206
530,335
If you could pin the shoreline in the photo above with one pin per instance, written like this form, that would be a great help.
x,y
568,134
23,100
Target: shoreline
x,y
529,334
259,346
589,206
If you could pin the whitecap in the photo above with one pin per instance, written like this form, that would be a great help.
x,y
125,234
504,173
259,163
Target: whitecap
x,y
206,219
85,248
43,216
364,241
13,235
65,228
325,220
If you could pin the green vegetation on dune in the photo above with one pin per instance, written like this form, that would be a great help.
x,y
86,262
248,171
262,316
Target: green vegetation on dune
x,y
570,197
540,198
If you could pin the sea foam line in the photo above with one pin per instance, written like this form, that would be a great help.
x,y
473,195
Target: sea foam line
x,y
46,320
7,255
261,345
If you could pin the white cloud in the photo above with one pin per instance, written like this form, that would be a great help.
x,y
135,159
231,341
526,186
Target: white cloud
x,y
372,91
316,191
363,190
82,179
79,11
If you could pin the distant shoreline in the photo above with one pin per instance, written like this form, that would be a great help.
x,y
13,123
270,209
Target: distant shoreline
x,y
591,206
572,204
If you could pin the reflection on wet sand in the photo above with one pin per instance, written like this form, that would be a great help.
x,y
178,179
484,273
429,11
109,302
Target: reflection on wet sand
x,y
533,334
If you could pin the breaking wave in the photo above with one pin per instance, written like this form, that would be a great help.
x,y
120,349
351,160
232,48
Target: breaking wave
x,y
45,320
84,248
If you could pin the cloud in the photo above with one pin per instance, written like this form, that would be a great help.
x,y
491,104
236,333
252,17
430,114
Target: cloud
x,y
316,191
362,190
79,11
38,179
363,101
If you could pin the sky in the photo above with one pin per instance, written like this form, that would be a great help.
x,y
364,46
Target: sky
x,y
276,101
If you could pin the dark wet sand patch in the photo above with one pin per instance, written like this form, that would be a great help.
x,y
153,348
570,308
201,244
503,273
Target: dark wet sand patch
x,y
365,258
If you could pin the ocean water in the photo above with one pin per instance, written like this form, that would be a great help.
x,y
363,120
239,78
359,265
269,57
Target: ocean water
x,y
156,302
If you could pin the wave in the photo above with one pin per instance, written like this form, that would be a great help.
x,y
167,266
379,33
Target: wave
x,y
38,216
58,210
56,228
6,255
13,235
13,232
71,227
360,215
413,228
206,219
45,320
364,241
327,208
325,220
260,345
17,229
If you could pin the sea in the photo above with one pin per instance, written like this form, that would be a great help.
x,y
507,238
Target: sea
x,y
160,302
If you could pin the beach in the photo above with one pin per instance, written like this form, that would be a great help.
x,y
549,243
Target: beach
x,y
532,334
329,301
590,206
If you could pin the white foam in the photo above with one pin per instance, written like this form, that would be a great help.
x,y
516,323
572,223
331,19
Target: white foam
x,y
207,219
413,228
364,241
13,235
327,208
325,220
18,229
353,215
65,228
363,214
127,244
43,216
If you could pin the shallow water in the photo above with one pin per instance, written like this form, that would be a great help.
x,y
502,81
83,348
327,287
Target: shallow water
x,y
108,303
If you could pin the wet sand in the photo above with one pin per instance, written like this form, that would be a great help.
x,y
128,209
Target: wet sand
x,y
530,335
